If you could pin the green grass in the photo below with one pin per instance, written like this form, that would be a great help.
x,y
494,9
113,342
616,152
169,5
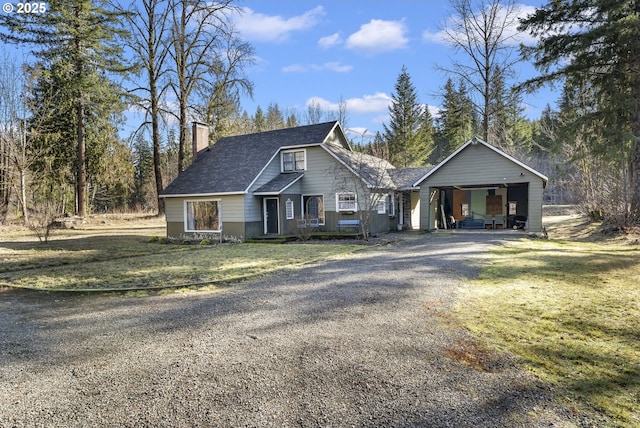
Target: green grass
x,y
571,312
128,260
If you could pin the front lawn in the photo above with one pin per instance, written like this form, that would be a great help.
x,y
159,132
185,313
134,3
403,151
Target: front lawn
x,y
570,311
126,259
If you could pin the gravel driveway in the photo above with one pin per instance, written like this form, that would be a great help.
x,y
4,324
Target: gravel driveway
x,y
366,341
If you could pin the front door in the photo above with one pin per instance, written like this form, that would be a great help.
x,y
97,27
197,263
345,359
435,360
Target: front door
x,y
271,217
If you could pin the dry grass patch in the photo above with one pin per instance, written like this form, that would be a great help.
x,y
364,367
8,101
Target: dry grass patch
x,y
122,257
569,309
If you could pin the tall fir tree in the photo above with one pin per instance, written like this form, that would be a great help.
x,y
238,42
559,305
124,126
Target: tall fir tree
x,y
404,137
593,47
82,40
457,122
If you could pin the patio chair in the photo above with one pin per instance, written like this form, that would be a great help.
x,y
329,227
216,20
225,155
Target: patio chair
x,y
499,221
488,221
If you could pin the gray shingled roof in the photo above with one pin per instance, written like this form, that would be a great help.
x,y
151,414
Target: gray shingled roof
x,y
279,184
374,171
232,163
405,178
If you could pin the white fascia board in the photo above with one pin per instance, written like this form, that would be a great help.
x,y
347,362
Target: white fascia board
x,y
298,146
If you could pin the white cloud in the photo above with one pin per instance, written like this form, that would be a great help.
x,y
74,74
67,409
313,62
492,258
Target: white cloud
x,y
327,66
379,36
376,103
337,67
330,41
511,34
367,104
295,68
256,26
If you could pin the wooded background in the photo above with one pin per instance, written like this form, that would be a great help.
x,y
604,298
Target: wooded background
x,y
61,109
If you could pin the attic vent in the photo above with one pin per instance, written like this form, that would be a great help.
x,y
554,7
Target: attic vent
x,y
200,138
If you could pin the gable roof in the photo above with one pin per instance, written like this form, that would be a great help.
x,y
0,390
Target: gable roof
x,y
279,184
232,164
372,170
476,140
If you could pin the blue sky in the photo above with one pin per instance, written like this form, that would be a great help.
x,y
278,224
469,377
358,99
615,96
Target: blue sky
x,y
352,49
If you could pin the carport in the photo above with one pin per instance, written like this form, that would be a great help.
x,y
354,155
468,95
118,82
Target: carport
x,y
481,187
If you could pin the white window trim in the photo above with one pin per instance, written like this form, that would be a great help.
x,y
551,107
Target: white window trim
x,y
303,213
354,209
290,209
304,151
185,218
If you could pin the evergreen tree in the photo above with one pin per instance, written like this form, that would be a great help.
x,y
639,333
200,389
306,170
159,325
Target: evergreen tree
x,y
82,39
404,137
142,158
274,119
428,132
509,129
592,46
456,124
292,121
259,120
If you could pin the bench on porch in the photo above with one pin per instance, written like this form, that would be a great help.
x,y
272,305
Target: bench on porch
x,y
348,224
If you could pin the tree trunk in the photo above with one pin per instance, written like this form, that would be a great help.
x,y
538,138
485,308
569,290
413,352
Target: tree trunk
x,y
81,173
155,112
634,167
155,135
182,144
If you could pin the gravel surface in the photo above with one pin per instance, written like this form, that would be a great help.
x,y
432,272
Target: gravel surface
x,y
365,341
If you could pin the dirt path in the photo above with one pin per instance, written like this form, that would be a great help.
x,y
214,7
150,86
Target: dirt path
x,y
368,341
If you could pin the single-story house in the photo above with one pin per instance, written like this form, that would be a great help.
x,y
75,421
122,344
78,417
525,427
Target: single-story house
x,y
276,182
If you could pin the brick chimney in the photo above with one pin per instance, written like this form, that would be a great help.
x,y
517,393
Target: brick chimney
x,y
200,138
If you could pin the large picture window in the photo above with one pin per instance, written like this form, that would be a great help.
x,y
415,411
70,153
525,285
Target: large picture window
x,y
202,216
346,201
314,207
294,161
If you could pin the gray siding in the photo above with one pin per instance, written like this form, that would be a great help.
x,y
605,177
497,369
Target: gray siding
x,y
319,177
478,165
535,209
253,204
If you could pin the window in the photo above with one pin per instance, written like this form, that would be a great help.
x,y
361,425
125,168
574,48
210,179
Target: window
x,y
381,206
289,208
202,216
346,202
314,207
391,204
465,210
294,161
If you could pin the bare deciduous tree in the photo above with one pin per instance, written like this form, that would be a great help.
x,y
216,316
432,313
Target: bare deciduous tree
x,y
368,178
483,31
198,28
148,27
